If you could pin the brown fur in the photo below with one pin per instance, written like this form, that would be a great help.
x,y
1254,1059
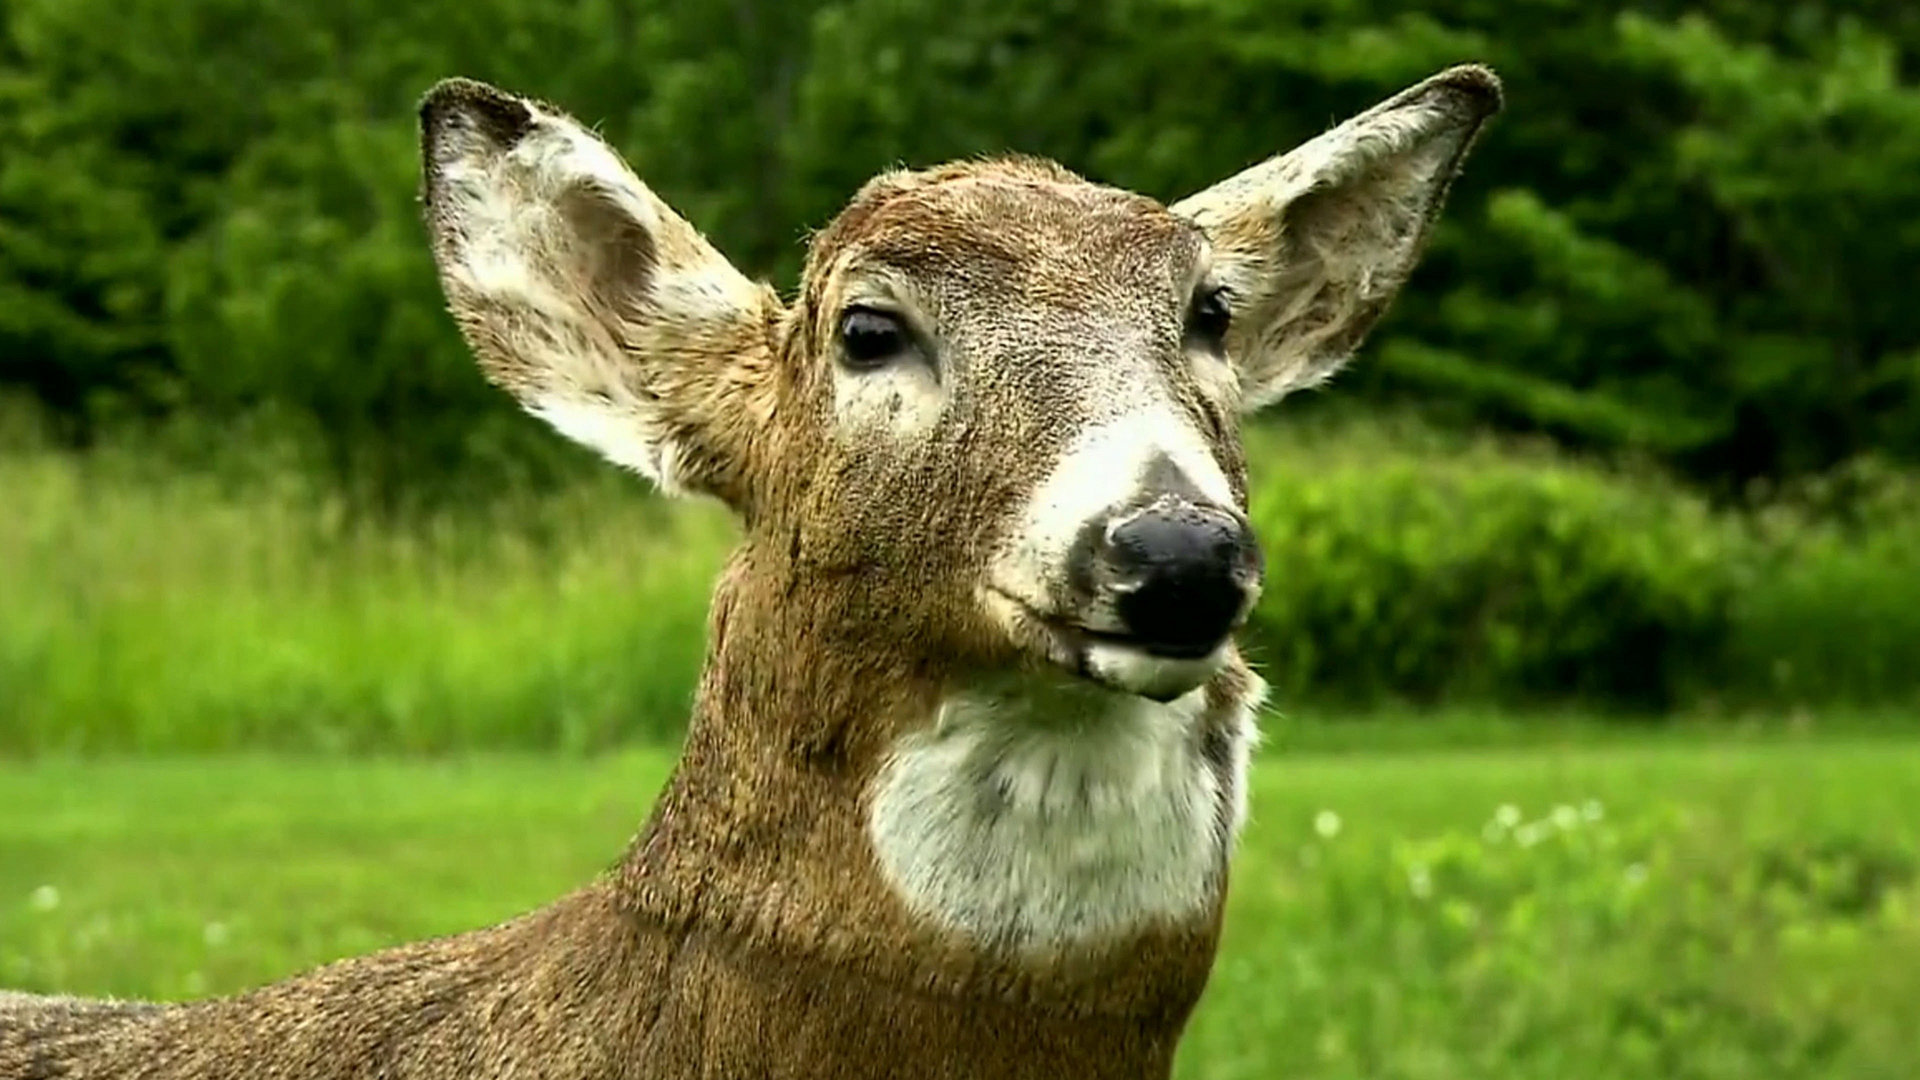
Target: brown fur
x,y
748,931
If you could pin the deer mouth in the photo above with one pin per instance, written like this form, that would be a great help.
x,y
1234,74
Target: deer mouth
x,y
1128,663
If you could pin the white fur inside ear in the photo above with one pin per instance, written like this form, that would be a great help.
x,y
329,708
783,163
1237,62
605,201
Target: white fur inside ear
x,y
1317,241
620,435
628,374
1045,818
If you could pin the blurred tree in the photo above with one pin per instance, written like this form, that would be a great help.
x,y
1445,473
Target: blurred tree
x,y
1808,163
1687,239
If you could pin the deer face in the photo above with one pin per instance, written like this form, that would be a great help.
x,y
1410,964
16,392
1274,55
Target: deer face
x,y
1006,397
1025,377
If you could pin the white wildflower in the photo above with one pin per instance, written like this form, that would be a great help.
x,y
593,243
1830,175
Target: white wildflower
x,y
45,898
1327,824
1531,833
1591,810
1420,881
215,933
1565,817
1636,873
1508,815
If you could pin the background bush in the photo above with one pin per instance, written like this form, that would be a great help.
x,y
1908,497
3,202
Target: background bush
x,y
1484,576
1831,616
155,609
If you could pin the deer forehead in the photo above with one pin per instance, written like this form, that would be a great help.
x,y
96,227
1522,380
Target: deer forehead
x,y
1024,239
1053,303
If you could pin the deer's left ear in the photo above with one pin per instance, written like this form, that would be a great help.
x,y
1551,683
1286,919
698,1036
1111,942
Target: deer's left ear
x,y
1314,244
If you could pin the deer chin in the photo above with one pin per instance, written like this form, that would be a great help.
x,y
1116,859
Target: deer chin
x,y
1159,678
1115,662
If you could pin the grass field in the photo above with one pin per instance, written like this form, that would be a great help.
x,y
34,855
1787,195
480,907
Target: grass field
x,y
1673,908
156,609
169,614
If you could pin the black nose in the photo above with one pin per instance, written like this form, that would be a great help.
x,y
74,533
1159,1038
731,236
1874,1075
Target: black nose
x,y
1180,574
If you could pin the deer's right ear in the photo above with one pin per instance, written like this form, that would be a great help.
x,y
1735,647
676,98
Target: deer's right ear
x,y
585,296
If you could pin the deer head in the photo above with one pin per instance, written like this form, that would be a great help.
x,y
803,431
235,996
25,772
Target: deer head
x,y
1010,394
992,441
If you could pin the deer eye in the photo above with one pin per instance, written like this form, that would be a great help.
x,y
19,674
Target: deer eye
x,y
1209,317
870,338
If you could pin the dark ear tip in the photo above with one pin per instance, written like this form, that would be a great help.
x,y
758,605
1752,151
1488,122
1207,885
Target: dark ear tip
x,y
1477,84
498,116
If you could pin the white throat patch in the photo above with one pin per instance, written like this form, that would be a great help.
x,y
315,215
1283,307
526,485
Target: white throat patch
x,y
1049,816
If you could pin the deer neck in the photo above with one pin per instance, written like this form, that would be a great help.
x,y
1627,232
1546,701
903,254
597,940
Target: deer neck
x,y
848,805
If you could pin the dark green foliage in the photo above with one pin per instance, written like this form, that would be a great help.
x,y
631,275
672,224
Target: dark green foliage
x,y
1689,237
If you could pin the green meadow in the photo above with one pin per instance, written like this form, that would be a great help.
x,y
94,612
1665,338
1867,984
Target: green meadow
x,y
246,729
1661,907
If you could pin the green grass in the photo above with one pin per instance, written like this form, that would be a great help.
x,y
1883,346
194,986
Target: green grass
x,y
152,606
1670,908
169,613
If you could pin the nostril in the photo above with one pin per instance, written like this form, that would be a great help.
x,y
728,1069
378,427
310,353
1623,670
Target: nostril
x,y
1179,575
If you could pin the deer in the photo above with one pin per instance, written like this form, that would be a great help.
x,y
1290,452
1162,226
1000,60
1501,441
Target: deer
x,y
968,756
